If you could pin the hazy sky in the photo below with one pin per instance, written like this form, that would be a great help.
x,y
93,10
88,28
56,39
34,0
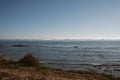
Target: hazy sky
x,y
59,19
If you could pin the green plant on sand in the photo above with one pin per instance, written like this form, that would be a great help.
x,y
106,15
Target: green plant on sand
x,y
29,61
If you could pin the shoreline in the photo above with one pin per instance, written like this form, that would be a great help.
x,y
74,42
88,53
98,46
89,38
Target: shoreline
x,y
101,68
33,70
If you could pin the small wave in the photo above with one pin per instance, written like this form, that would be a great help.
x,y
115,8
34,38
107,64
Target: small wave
x,y
114,47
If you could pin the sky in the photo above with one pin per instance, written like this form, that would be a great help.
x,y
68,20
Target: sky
x,y
59,19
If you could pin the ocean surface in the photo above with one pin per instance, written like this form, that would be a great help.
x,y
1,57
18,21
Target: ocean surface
x,y
96,55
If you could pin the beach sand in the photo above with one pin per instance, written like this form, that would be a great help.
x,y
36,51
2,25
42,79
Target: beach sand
x,y
44,73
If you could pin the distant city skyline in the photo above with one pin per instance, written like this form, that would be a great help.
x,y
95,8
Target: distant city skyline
x,y
59,19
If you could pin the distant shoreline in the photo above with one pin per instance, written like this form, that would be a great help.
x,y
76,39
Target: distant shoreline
x,y
59,39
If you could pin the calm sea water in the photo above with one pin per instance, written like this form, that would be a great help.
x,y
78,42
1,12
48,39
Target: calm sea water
x,y
102,56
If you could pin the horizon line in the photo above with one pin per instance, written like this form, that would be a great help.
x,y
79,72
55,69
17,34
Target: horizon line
x,y
60,39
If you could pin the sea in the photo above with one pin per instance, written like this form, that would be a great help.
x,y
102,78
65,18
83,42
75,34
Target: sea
x,y
90,55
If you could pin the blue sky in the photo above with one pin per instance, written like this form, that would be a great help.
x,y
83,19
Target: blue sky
x,y
59,19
